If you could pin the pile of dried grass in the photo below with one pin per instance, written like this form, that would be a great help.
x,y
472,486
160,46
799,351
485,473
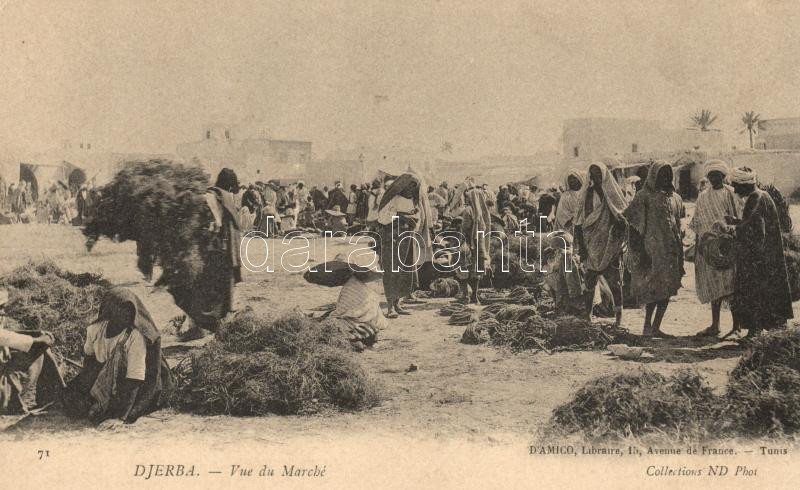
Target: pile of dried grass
x,y
44,297
288,365
634,404
764,388
764,402
776,348
762,399
161,206
287,335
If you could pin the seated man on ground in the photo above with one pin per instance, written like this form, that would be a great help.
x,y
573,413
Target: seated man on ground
x,y
124,373
29,373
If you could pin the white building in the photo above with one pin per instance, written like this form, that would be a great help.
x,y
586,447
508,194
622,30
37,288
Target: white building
x,y
779,134
248,149
592,139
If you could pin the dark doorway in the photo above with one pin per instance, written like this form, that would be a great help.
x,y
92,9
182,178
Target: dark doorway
x,y
685,187
76,179
26,175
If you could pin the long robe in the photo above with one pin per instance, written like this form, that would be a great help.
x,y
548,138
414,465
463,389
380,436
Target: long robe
x,y
711,208
599,221
475,258
656,216
395,252
210,297
762,297
338,198
269,219
398,280
567,208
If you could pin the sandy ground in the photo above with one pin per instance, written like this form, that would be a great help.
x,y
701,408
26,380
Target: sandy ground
x,y
461,392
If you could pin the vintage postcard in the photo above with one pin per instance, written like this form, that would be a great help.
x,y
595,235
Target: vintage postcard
x,y
420,244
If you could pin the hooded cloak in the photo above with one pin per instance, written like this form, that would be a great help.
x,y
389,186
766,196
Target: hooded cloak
x,y
601,221
568,203
655,215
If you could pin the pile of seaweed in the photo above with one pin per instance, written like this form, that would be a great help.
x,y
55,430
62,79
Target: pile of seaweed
x,y
291,364
520,325
161,206
44,297
521,256
762,399
445,287
561,333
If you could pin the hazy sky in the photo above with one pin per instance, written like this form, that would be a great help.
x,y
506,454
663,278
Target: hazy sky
x,y
145,75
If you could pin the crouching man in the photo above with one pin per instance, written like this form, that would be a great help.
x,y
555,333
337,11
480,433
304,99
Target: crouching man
x,y
29,373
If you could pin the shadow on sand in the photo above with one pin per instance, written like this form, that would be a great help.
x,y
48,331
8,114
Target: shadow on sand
x,y
687,349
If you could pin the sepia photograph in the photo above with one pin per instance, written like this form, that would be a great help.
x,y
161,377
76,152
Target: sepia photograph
x,y
420,244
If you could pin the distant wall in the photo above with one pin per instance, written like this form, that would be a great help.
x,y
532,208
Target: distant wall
x,y
779,134
252,159
586,140
779,142
326,172
781,168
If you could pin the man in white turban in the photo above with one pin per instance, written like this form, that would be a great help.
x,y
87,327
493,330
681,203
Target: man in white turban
x,y
742,176
762,296
718,200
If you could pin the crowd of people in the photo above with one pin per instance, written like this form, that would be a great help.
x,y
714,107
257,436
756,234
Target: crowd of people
x,y
624,235
20,203
613,235
276,208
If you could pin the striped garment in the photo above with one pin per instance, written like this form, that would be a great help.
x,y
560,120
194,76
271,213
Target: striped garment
x,y
712,206
359,303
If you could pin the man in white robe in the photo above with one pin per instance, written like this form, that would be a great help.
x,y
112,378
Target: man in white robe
x,y
718,200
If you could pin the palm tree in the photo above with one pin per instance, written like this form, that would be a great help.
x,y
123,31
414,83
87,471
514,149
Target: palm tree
x,y
752,124
447,147
704,120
